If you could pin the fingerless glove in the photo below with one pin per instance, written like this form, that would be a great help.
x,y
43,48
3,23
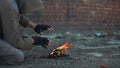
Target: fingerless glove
x,y
41,28
40,41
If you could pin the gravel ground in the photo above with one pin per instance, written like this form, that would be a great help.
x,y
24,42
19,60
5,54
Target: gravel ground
x,y
86,51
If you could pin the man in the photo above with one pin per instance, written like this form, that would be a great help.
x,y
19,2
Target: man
x,y
11,37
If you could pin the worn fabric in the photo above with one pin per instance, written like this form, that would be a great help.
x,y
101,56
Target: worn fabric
x,y
9,54
23,21
11,20
5,3
28,6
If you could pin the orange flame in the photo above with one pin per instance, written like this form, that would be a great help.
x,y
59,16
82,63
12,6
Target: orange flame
x,y
64,46
59,50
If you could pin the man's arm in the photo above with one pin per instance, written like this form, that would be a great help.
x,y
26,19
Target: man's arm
x,y
31,24
25,22
37,28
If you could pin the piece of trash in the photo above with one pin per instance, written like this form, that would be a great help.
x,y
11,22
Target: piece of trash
x,y
102,66
95,54
113,42
101,34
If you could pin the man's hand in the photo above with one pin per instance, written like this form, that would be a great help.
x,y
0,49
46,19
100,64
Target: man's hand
x,y
40,28
44,42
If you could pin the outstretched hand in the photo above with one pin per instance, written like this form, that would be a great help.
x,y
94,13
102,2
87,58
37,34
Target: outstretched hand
x,y
40,28
50,29
44,42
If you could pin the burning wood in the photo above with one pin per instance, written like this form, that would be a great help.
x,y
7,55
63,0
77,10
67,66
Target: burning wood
x,y
59,50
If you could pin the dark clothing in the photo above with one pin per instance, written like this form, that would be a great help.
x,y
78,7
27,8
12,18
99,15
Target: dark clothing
x,y
1,32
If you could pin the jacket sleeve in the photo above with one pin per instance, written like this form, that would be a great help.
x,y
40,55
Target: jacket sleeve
x,y
23,21
11,20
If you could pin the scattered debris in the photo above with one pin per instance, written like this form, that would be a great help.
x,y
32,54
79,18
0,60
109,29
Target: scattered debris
x,y
115,54
54,36
95,54
113,42
85,52
79,35
101,34
117,37
111,34
102,66
85,47
59,36
68,33
86,38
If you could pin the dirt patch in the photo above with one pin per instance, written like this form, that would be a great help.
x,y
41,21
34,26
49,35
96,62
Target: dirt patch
x,y
84,52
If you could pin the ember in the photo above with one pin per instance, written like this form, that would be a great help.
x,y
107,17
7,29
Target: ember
x,y
59,51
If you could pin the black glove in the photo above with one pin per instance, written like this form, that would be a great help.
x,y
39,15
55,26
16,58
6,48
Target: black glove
x,y
41,41
41,28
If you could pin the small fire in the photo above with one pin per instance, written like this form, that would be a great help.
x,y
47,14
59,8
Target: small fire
x,y
59,50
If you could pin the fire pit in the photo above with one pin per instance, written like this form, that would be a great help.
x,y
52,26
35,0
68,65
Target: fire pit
x,y
59,51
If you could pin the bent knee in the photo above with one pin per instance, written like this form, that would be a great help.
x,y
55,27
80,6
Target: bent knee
x,y
20,56
16,59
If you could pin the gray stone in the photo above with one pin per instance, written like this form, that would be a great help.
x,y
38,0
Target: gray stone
x,y
101,34
95,54
113,42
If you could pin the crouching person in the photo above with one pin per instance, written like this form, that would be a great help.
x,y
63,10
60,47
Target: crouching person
x,y
11,38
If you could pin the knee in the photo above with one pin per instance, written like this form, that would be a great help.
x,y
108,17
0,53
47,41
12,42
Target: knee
x,y
17,58
10,55
20,57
